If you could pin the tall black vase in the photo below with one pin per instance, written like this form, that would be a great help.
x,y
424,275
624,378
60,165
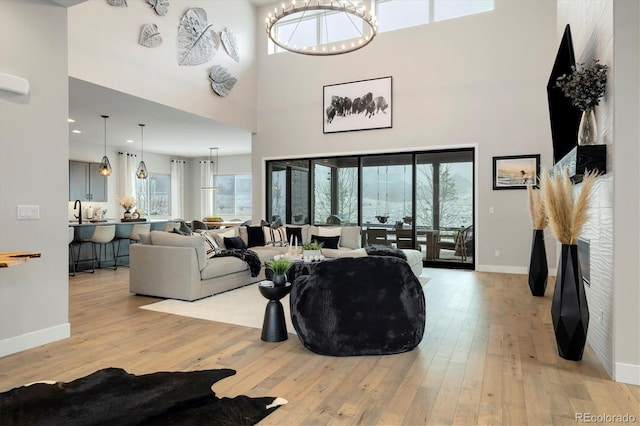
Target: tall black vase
x,y
538,270
569,309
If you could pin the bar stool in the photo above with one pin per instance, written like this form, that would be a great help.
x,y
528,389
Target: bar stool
x,y
71,256
102,235
134,237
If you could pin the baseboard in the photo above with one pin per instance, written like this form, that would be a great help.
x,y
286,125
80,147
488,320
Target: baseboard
x,y
503,269
627,373
21,343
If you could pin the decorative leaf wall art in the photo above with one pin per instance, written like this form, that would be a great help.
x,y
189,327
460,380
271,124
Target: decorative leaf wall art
x,y
197,41
118,3
221,80
160,6
230,44
150,36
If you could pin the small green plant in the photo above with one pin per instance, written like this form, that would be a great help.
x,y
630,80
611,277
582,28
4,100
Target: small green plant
x,y
313,245
279,266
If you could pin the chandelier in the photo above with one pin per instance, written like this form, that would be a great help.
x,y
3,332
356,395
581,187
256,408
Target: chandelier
x,y
315,18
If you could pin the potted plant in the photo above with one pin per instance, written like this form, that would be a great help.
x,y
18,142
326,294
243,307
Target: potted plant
x,y
567,214
279,267
312,249
585,86
538,268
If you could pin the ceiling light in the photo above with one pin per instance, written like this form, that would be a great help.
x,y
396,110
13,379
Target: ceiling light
x,y
76,131
129,141
212,171
141,173
352,13
70,120
105,166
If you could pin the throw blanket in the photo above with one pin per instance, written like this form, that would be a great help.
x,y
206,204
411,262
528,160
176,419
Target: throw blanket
x,y
249,256
378,250
114,397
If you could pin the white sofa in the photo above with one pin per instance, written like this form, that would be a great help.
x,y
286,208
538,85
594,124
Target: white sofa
x,y
174,266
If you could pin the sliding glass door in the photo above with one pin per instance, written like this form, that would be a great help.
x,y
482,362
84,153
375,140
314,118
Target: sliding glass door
x,y
419,200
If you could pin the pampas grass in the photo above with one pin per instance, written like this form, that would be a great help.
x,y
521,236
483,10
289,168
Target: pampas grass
x,y
536,208
566,213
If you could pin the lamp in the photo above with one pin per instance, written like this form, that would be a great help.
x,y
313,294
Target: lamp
x,y
345,13
212,171
141,173
105,166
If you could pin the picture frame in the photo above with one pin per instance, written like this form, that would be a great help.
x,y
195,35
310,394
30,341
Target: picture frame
x,y
516,171
357,105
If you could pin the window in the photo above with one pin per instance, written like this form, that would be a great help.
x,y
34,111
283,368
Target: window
x,y
154,194
392,15
233,196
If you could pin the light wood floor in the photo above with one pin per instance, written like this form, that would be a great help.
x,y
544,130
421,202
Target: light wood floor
x,y
488,357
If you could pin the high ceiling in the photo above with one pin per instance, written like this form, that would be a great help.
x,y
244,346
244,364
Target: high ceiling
x,y
167,130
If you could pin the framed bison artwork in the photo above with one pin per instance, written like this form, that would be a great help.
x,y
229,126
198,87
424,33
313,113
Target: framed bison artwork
x,y
359,105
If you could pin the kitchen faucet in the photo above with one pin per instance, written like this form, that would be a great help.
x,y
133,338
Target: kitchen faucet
x,y
79,216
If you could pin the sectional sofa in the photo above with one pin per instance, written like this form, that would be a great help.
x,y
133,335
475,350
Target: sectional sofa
x,y
174,266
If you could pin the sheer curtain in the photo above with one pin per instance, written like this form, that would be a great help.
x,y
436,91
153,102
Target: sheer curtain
x,y
206,197
127,175
177,188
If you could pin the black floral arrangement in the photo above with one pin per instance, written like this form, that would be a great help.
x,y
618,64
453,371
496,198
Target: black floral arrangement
x,y
585,85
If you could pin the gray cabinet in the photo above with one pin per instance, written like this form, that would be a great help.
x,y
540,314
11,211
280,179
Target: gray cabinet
x,y
85,183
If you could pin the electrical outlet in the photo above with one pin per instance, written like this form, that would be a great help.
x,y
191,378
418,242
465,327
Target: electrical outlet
x,y
490,210
497,253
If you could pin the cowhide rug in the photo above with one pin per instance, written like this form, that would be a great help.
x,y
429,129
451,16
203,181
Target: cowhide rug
x,y
112,396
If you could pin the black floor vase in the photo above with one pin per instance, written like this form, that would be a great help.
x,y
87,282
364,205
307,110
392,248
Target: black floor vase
x,y
569,309
538,270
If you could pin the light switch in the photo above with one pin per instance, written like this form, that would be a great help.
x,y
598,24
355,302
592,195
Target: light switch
x,y
490,210
28,212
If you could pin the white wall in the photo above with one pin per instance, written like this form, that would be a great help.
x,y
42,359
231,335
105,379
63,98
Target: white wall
x,y
104,49
480,79
34,171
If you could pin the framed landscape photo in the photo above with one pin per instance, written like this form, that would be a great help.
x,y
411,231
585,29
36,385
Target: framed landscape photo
x,y
359,105
516,171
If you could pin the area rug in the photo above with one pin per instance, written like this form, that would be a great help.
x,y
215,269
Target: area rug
x,y
112,396
243,306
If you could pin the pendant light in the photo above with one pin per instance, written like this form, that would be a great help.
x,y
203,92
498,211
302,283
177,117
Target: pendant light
x,y
142,168
212,171
105,165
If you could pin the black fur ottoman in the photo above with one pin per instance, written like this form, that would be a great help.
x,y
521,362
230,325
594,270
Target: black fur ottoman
x,y
359,306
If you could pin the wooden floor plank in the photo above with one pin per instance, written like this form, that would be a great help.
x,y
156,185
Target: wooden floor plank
x,y
488,357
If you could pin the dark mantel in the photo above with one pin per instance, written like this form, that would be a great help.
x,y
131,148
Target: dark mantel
x,y
580,159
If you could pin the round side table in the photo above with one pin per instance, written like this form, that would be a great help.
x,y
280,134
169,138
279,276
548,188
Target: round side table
x,y
274,328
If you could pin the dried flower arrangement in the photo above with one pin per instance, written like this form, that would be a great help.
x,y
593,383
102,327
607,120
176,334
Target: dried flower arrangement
x,y
585,85
536,208
566,213
127,202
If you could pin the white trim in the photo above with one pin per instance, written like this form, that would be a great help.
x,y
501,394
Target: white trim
x,y
504,269
37,338
627,373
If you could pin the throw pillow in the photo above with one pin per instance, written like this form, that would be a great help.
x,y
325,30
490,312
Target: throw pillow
x,y
255,236
329,231
275,236
327,242
219,236
185,229
234,243
210,245
296,233
179,232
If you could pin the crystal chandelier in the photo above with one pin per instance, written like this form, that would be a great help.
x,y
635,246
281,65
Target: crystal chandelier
x,y
317,17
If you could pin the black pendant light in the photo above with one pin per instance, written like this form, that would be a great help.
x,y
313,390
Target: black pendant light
x,y
105,165
141,173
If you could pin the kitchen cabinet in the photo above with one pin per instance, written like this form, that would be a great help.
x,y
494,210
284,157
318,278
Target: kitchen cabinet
x,y
85,183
